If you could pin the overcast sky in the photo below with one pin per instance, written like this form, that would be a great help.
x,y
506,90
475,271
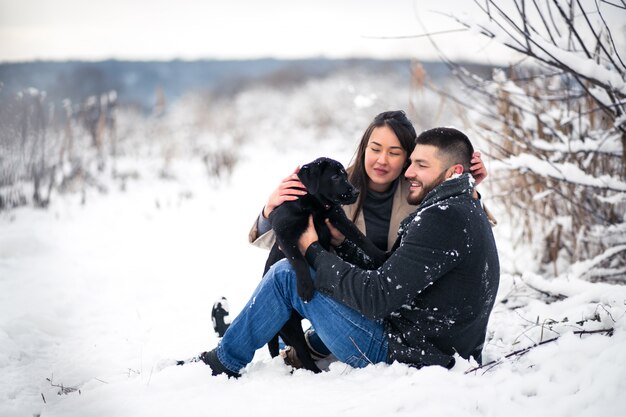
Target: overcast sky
x,y
192,29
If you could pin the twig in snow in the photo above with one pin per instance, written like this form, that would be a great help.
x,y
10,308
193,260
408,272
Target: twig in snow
x,y
521,352
551,297
63,390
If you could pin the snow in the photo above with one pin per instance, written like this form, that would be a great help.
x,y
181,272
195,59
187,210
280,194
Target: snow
x,y
102,296
562,171
583,267
99,296
611,145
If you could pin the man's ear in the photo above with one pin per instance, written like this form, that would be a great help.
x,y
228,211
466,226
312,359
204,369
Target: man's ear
x,y
309,175
454,170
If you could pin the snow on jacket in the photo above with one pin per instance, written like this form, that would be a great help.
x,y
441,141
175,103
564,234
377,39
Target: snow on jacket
x,y
437,288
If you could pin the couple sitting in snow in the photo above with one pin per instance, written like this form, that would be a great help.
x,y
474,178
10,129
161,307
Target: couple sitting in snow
x,y
429,300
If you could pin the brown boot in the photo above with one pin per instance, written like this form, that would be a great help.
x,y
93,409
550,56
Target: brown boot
x,y
290,356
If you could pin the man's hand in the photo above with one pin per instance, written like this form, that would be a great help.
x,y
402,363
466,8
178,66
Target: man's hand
x,y
309,236
336,237
478,170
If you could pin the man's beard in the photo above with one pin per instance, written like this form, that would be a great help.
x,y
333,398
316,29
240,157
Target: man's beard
x,y
426,188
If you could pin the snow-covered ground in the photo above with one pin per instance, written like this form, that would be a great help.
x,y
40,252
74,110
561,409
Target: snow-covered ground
x,y
97,297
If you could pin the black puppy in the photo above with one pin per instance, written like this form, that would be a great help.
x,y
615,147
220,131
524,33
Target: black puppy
x,y
328,189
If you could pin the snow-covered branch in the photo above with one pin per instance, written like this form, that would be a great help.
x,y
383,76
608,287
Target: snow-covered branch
x,y
566,172
556,125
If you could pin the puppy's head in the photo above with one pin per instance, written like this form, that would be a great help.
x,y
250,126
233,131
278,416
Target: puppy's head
x,y
327,180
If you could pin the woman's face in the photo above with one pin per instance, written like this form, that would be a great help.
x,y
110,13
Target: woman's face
x,y
384,158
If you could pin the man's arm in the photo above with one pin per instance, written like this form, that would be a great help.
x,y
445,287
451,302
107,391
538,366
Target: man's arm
x,y
434,243
349,250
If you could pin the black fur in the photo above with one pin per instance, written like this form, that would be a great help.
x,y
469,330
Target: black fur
x,y
328,189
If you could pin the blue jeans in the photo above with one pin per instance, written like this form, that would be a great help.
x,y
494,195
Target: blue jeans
x,y
351,337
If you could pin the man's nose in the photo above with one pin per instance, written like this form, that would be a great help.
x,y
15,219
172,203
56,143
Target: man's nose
x,y
408,174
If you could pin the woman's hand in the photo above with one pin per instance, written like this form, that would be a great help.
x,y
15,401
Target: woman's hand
x,y
289,189
336,237
308,237
477,168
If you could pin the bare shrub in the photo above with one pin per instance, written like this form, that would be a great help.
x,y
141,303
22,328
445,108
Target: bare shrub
x,y
556,123
41,146
26,150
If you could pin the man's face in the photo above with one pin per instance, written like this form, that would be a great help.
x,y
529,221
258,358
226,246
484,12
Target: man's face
x,y
426,171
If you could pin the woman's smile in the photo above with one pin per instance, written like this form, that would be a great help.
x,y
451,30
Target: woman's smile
x,y
381,171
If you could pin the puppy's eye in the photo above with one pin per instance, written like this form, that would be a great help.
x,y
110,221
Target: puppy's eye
x,y
335,177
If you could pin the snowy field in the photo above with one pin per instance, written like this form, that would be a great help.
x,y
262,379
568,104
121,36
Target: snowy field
x,y
95,298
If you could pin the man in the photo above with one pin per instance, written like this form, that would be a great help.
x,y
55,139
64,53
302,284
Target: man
x,y
429,300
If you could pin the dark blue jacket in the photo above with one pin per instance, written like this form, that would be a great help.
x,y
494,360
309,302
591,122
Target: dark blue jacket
x,y
437,288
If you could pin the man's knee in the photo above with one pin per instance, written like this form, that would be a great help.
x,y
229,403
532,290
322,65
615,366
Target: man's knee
x,y
282,274
281,266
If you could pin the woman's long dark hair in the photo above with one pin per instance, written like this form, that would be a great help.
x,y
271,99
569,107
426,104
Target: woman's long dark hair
x,y
398,122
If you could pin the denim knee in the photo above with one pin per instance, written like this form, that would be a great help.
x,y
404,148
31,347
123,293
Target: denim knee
x,y
281,266
282,276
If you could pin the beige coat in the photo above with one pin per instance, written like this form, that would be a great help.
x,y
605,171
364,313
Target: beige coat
x,y
399,210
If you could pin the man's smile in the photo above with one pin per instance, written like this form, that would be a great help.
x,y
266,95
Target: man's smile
x,y
414,185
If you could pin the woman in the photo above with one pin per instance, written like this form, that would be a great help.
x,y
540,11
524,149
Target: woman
x,y
379,164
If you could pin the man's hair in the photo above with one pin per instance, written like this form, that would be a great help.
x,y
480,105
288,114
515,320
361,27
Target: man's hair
x,y
453,144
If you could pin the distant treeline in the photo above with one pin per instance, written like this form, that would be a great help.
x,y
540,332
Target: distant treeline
x,y
137,82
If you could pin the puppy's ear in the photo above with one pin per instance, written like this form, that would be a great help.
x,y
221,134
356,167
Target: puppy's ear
x,y
309,174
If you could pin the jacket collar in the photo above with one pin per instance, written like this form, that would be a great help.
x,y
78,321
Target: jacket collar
x,y
463,184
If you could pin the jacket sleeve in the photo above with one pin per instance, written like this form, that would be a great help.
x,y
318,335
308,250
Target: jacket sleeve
x,y
434,243
261,240
350,252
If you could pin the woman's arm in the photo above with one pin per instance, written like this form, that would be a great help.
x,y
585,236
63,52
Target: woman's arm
x,y
289,189
478,171
477,168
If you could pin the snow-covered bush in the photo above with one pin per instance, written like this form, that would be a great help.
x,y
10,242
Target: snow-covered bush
x,y
556,123
46,146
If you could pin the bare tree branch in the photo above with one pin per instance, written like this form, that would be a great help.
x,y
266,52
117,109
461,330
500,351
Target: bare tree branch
x,y
554,25
609,34
572,29
615,4
545,23
421,35
597,37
